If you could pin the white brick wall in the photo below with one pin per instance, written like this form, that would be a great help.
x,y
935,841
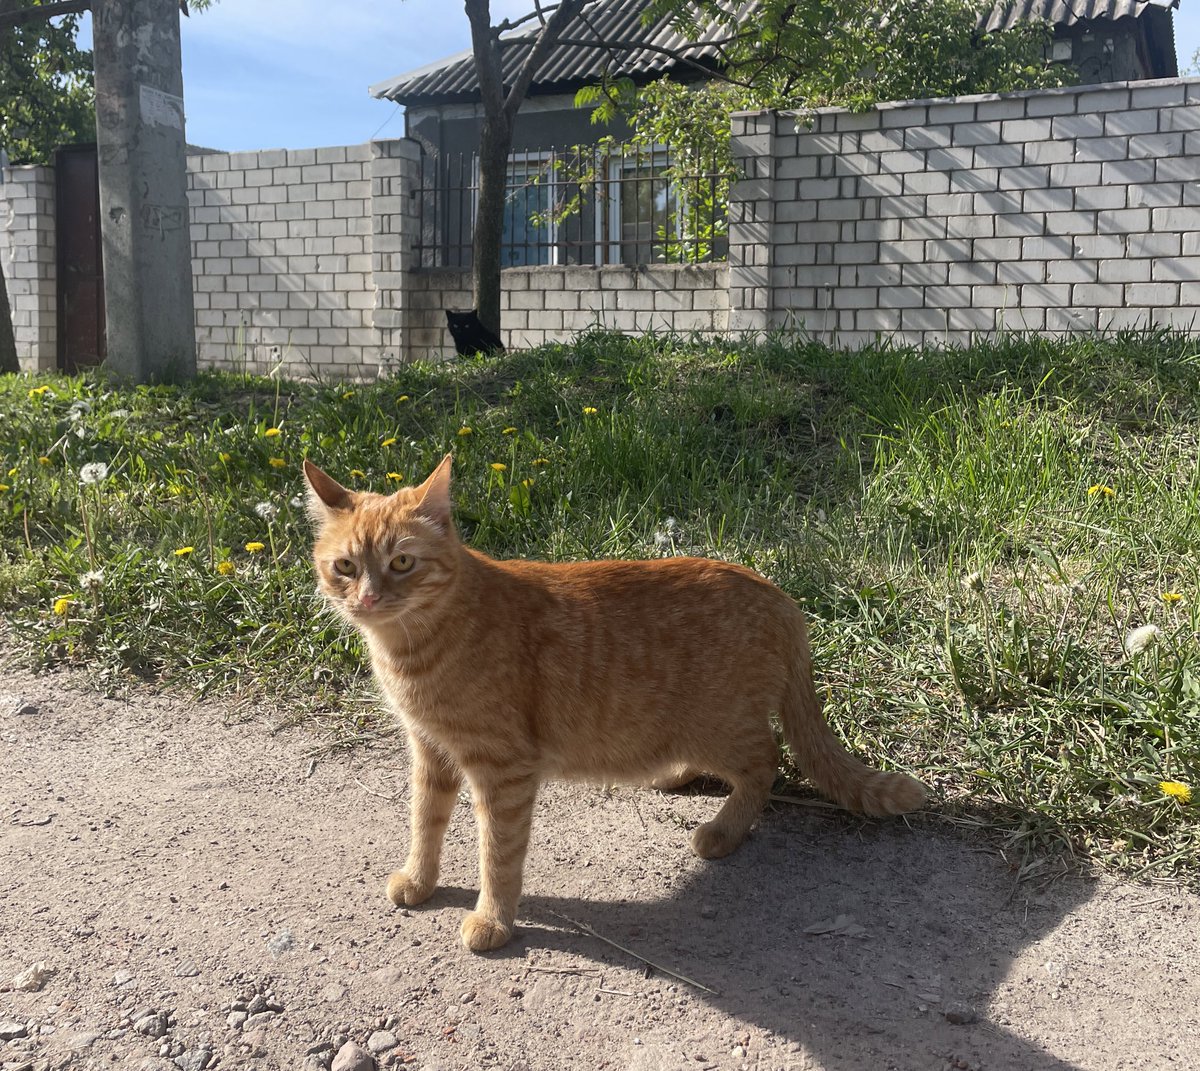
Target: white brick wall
x,y
27,249
933,221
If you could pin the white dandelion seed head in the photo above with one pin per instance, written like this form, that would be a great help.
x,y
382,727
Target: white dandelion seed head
x,y
1140,638
93,578
93,472
268,511
297,502
973,582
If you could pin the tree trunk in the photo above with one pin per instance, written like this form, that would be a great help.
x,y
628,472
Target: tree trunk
x,y
8,342
495,141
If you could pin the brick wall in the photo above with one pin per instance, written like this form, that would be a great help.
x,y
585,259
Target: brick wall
x,y
27,249
933,221
549,304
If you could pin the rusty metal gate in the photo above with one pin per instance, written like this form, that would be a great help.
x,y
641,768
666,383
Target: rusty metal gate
x,y
80,265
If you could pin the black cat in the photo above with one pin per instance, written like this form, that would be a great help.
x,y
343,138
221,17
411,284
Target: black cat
x,y
470,336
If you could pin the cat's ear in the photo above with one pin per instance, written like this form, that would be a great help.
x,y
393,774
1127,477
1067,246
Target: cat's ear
x,y
434,501
325,493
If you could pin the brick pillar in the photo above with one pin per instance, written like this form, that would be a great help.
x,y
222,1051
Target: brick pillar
x,y
395,191
751,220
27,245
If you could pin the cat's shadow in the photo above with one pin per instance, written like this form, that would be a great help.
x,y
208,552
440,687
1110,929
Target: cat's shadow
x,y
925,924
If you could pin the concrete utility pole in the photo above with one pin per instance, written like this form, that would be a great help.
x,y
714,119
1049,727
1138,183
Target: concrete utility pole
x,y
143,190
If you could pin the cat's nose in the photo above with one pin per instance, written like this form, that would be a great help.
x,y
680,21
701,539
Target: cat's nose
x,y
368,600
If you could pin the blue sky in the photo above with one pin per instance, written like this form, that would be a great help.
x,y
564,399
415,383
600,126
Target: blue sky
x,y
264,74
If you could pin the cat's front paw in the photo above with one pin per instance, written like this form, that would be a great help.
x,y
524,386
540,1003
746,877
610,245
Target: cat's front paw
x,y
405,891
482,934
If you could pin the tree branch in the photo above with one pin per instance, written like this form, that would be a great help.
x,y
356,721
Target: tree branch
x,y
43,11
485,46
546,40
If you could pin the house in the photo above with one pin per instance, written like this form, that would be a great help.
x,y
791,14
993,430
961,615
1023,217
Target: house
x,y
632,214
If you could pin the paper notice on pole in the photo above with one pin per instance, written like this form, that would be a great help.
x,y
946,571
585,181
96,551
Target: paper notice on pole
x,y
161,109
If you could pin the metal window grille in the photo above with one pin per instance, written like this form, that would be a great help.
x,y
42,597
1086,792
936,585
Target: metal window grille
x,y
607,204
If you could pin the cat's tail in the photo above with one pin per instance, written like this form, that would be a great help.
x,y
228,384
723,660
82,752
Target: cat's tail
x,y
827,764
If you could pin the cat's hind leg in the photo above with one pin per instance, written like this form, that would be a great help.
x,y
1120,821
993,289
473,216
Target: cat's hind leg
x,y
674,777
435,785
750,776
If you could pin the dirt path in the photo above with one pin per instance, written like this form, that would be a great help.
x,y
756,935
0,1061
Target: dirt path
x,y
169,869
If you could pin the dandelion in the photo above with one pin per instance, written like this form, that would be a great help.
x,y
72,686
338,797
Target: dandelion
x,y
1170,597
973,582
93,578
1177,790
346,395
93,472
222,456
509,431
276,462
499,466
388,442
13,471
296,502
538,462
267,511
394,476
402,399
1100,489
183,552
528,482
43,461
225,568
253,547
270,433
1140,638
589,410
62,604
357,472
5,487
464,430
37,392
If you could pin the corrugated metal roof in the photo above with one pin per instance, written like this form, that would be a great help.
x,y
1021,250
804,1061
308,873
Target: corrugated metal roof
x,y
1008,13
609,36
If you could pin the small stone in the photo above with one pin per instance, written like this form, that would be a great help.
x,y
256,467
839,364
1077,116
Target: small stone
x,y
33,978
257,1020
381,1041
195,1059
186,969
122,978
352,1057
282,942
153,1025
737,1052
258,1003
960,1014
236,1018
333,992
256,1042
11,1030
467,997
85,1039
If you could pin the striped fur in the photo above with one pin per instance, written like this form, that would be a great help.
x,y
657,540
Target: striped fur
x,y
509,673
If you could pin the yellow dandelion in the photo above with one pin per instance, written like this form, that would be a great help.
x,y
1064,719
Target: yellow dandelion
x,y
1176,790
183,552
43,461
225,568
464,430
13,471
276,462
527,482
270,433
403,398
224,456
62,604
253,547
538,462
1171,596
509,431
388,442
37,392
589,410
347,394
4,487
357,472
499,466
394,476
1100,489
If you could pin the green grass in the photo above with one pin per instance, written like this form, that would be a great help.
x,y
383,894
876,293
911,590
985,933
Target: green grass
x,y
945,516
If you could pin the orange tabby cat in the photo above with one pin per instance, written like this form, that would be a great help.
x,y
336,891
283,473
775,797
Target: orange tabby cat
x,y
508,673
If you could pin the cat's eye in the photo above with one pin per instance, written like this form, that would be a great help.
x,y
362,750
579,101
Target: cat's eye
x,y
345,567
401,563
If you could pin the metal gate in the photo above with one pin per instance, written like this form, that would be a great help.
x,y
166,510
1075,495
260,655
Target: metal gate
x,y
80,265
